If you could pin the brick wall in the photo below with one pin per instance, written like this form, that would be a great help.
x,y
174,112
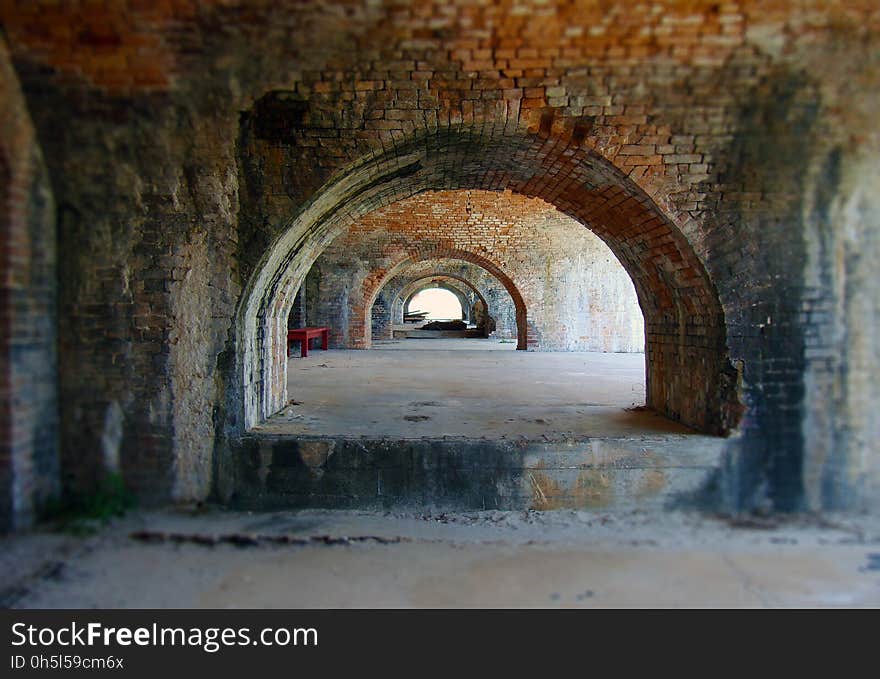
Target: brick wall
x,y
29,470
147,283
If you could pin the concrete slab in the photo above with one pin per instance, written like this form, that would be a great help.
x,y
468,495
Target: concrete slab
x,y
600,474
470,428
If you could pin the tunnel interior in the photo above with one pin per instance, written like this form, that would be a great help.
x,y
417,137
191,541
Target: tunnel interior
x,y
618,317
690,190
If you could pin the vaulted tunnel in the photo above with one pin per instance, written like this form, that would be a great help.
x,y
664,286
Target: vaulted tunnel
x,y
685,332
169,185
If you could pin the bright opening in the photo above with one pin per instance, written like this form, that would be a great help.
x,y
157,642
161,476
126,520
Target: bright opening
x,y
440,304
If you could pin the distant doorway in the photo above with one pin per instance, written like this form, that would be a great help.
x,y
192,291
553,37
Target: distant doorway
x,y
437,304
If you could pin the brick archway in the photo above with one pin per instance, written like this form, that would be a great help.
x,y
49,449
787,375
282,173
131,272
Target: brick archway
x,y
360,321
456,275
688,372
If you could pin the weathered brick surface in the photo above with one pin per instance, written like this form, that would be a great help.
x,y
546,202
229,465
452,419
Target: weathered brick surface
x,y
726,152
147,286
29,470
576,295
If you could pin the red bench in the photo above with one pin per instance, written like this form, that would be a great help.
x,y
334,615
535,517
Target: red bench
x,y
304,335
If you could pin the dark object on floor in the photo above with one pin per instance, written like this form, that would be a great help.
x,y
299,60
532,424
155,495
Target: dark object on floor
x,y
445,325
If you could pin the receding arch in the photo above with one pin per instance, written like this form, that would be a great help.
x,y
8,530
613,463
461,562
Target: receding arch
x,y
379,278
456,286
686,357
398,299
427,278
473,282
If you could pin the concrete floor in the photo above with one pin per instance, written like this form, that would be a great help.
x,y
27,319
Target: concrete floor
x,y
626,556
469,388
558,559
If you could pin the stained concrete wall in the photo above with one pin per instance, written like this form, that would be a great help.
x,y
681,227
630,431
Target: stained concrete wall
x,y
842,315
727,153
